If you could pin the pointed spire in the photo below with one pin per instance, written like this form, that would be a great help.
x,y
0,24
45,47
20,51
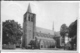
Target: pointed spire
x,y
29,8
53,26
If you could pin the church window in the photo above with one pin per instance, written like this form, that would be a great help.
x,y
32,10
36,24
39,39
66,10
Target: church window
x,y
24,19
29,18
32,19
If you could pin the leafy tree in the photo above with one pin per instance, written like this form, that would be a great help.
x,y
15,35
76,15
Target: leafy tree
x,y
12,32
73,33
73,29
63,31
32,43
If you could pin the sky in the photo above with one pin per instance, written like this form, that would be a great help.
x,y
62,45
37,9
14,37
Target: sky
x,y
49,14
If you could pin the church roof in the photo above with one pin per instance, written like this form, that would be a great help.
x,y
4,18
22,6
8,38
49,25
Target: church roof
x,y
29,9
47,39
57,33
43,30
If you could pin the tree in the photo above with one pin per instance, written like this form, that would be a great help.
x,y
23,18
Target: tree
x,y
35,43
32,43
73,29
73,33
63,31
12,32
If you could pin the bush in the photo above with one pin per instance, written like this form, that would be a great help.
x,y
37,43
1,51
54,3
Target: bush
x,y
6,46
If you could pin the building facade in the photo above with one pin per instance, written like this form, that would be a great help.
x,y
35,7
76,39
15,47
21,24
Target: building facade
x,y
30,32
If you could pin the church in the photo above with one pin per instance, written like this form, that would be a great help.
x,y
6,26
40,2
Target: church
x,y
31,32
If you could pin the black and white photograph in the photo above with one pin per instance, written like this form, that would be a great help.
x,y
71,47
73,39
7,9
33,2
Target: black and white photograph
x,y
39,25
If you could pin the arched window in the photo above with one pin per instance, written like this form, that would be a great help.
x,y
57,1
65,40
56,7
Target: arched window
x,y
29,18
24,19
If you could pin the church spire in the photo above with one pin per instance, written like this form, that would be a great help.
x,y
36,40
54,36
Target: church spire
x,y
29,8
53,26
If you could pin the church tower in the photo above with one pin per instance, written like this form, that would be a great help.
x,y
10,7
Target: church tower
x,y
28,27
